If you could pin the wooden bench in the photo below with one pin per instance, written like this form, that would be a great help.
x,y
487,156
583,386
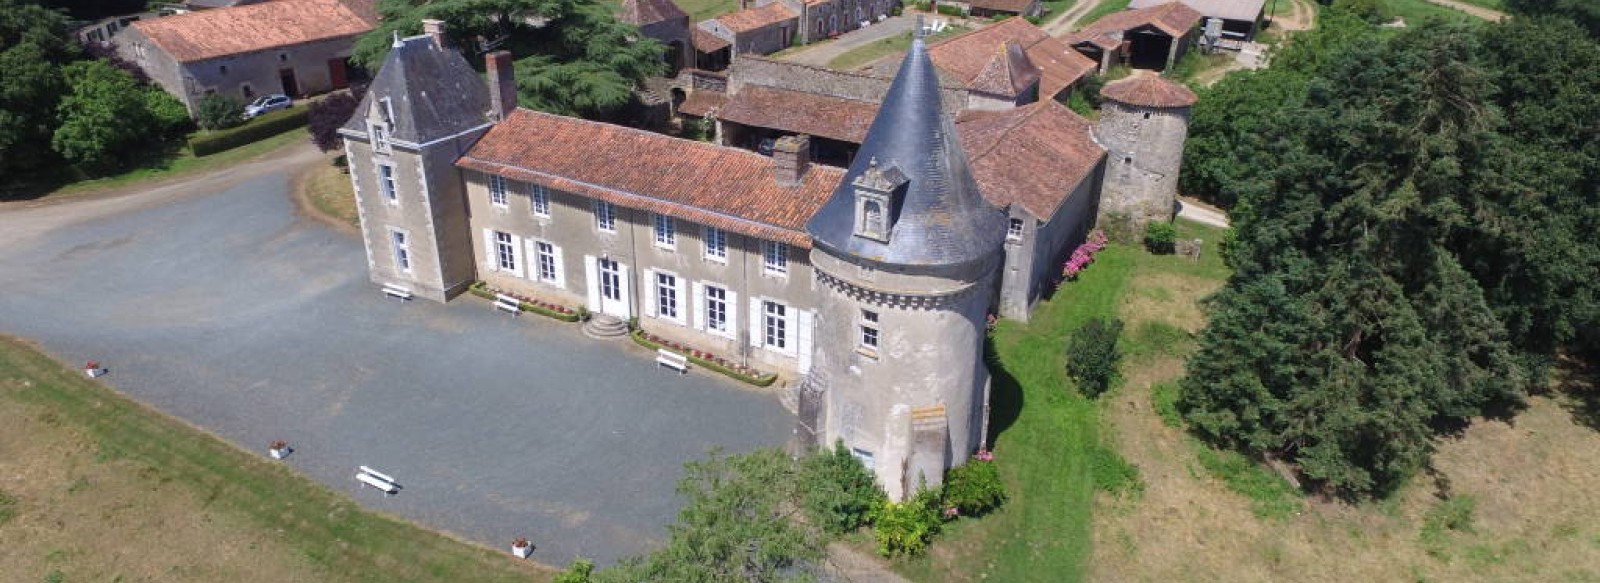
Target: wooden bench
x,y
396,291
508,303
670,359
377,479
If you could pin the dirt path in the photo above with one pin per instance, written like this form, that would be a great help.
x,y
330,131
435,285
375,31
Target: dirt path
x,y
1301,17
49,213
1478,11
1068,21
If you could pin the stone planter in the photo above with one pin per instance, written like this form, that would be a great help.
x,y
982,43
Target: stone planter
x,y
278,454
93,369
522,552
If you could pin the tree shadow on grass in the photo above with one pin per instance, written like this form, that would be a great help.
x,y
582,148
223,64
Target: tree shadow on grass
x,y
1005,395
1576,379
53,177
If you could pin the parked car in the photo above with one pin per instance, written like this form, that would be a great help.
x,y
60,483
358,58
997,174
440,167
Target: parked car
x,y
267,103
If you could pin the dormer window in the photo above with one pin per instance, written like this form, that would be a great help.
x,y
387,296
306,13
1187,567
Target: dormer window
x,y
379,121
875,192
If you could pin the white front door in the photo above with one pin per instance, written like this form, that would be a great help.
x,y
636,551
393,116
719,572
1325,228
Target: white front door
x,y
613,294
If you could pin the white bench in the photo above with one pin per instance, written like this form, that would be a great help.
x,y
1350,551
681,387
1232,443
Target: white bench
x,y
507,303
377,479
396,291
670,359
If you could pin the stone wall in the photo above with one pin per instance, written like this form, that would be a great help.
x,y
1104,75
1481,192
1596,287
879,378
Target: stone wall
x,y
748,70
1144,152
231,75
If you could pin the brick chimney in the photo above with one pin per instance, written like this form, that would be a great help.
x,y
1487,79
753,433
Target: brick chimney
x,y
791,157
502,85
435,30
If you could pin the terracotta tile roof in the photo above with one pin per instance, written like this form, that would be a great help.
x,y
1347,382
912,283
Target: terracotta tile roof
x,y
1225,9
1009,72
966,55
1149,91
800,112
1173,18
643,12
703,103
1032,156
727,188
754,18
706,42
209,34
1012,6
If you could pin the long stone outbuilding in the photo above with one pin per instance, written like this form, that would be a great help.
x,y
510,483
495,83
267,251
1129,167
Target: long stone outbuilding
x,y
870,286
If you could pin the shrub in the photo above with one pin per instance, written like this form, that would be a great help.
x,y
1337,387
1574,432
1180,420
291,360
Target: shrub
x,y
219,112
1372,11
328,115
836,491
1160,237
974,488
924,5
168,117
906,528
581,571
1092,355
948,10
258,129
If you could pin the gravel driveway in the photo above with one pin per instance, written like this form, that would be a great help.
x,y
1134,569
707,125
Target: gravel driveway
x,y
226,309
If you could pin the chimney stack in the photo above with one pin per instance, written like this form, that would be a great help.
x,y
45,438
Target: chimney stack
x,y
435,30
791,157
502,85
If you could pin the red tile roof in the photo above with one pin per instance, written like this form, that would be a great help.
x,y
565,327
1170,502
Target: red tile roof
x,y
703,103
706,42
800,112
1009,72
1149,91
727,188
208,34
754,18
1033,156
643,12
1173,18
968,54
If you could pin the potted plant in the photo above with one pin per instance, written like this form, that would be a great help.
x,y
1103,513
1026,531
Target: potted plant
x,y
278,449
93,369
521,547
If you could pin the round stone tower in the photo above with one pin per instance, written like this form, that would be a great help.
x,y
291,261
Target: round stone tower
x,y
1144,120
905,254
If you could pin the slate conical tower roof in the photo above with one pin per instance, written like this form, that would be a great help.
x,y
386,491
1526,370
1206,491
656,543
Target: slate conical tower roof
x,y
432,91
940,218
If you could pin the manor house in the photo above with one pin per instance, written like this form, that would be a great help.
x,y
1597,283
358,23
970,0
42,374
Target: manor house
x,y
868,287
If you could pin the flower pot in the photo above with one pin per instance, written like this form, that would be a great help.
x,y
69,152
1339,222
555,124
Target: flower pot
x,y
94,372
278,454
522,552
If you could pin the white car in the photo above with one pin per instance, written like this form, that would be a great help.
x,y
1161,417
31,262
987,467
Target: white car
x,y
267,103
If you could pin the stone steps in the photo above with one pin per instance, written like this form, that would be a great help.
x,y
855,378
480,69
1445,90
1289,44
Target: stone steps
x,y
605,327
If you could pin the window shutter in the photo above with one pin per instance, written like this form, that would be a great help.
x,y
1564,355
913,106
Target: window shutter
x,y
561,267
591,271
650,293
519,265
699,306
803,334
732,309
530,255
627,291
683,301
757,336
489,262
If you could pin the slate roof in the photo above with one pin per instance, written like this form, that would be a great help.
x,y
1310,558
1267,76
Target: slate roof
x,y
433,92
755,18
967,55
644,12
1225,9
1173,18
209,34
1148,91
1032,156
940,217
727,188
800,112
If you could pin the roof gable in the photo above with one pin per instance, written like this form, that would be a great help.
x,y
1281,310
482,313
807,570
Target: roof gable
x,y
1032,156
644,12
967,55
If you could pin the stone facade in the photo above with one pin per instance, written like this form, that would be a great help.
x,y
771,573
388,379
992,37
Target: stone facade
x,y
1145,150
1034,256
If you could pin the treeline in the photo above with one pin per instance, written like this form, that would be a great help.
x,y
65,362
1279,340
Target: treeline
x,y
61,105
1415,246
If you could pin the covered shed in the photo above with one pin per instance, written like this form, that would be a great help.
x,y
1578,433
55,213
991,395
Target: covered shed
x,y
1241,19
1154,37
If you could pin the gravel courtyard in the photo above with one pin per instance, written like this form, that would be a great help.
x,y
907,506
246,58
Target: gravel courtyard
x,y
227,309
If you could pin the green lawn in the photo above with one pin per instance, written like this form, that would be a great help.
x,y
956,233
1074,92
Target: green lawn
x,y
171,161
336,538
1100,11
1415,11
1054,9
702,9
1490,4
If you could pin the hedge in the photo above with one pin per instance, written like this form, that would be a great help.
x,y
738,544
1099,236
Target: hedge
x,y
482,290
948,10
260,128
758,380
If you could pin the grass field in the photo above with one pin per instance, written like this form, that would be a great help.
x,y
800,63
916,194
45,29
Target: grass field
x,y
1508,503
173,161
866,54
1415,11
1101,10
702,9
326,188
95,487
